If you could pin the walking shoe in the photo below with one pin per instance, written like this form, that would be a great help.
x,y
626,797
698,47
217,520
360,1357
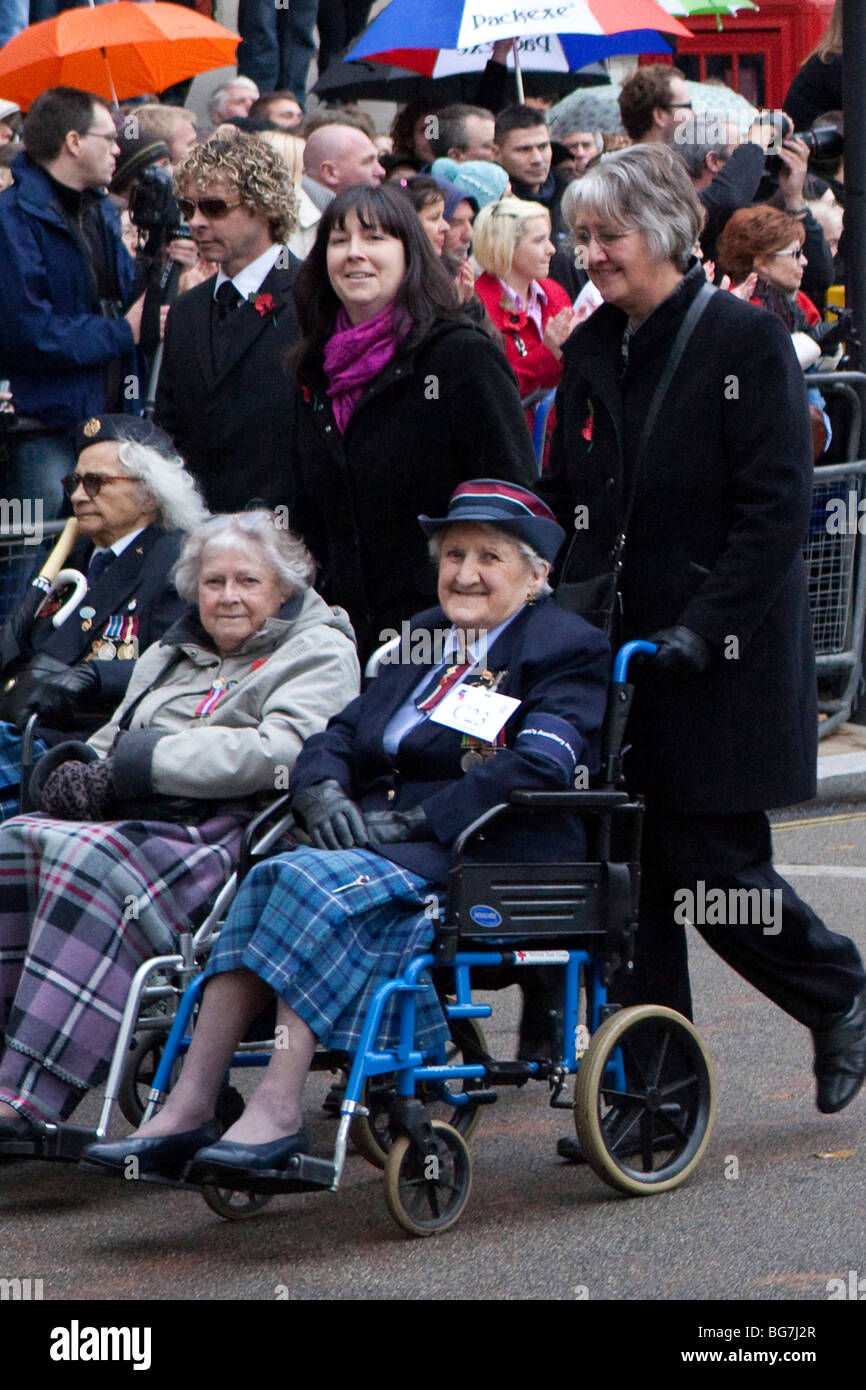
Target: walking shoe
x,y
840,1057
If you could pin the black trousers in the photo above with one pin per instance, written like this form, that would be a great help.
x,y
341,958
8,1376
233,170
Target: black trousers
x,y
803,967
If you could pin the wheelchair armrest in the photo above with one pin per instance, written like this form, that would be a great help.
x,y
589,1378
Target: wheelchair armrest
x,y
570,801
278,809
582,803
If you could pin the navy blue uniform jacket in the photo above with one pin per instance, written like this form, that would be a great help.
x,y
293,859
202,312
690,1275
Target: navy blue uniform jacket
x,y
556,665
53,347
137,584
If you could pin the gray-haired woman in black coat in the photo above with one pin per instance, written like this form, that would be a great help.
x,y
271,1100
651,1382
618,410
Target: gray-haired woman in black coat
x,y
724,720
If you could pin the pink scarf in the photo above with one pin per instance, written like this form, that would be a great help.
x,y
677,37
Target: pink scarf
x,y
354,354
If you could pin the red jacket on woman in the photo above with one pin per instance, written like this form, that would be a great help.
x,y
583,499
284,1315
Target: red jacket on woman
x,y
535,367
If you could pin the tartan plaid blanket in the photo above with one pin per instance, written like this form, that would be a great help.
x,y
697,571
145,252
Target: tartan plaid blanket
x,y
325,928
81,906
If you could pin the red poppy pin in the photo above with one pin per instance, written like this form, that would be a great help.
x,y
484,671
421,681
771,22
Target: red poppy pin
x,y
589,424
262,303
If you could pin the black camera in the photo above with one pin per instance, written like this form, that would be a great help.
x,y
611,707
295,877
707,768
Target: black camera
x,y
826,143
153,206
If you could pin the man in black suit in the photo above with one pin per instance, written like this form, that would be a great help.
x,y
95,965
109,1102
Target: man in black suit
x,y
223,394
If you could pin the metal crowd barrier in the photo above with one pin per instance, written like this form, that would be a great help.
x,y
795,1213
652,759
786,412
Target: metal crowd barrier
x,y
834,556
18,561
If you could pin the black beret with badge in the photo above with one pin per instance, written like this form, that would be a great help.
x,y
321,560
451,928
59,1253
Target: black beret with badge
x,y
122,429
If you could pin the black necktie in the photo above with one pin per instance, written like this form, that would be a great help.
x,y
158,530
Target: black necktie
x,y
98,565
227,300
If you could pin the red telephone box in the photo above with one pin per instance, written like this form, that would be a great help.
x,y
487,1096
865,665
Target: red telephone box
x,y
757,52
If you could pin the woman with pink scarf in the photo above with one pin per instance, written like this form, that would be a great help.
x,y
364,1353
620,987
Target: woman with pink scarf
x,y
402,398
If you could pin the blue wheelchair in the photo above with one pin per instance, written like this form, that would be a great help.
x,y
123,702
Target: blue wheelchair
x,y
644,1096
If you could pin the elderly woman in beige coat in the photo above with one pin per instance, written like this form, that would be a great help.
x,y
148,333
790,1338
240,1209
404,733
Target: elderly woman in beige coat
x,y
144,822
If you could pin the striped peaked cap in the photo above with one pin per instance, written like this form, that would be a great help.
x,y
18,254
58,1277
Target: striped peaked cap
x,y
506,505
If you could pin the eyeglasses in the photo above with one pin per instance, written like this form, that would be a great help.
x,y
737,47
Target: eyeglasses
x,y
91,482
795,255
213,208
679,106
103,135
583,238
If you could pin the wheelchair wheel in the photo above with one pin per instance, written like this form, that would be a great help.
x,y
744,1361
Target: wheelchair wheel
x,y
426,1196
648,1136
136,1081
232,1205
143,1058
371,1134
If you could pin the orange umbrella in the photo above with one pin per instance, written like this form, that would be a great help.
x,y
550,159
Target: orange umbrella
x,y
118,50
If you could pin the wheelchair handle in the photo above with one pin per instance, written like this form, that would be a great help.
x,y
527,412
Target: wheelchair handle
x,y
624,656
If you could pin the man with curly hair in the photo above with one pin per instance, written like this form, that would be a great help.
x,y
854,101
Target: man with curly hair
x,y
223,394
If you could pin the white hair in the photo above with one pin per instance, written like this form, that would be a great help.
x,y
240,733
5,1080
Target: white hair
x,y
539,567
215,100
259,530
179,506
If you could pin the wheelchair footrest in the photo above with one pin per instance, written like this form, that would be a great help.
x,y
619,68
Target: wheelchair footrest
x,y
304,1173
64,1142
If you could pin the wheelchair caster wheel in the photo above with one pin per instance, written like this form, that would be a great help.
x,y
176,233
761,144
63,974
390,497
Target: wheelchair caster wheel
x,y
371,1133
644,1100
232,1205
427,1195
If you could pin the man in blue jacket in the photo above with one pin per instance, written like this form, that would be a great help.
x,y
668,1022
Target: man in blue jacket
x,y
67,346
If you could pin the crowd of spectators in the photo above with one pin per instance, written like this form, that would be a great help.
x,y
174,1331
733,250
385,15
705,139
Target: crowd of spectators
x,y
334,329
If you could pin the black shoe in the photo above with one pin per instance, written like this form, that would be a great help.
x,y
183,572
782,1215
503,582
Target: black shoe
x,y
569,1148
164,1156
840,1057
230,1164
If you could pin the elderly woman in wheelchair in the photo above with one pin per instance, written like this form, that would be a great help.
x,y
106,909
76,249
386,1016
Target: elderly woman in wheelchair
x,y
494,690
144,822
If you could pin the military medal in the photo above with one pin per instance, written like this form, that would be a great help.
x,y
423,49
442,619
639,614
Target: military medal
x,y
87,614
107,650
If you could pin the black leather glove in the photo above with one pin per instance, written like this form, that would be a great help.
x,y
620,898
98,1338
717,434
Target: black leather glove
x,y
828,335
680,652
391,827
332,818
56,699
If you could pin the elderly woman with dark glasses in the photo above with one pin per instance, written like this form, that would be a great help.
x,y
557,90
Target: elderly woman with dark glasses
x,y
133,501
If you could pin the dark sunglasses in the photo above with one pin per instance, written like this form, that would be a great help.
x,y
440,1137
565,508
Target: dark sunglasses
x,y
214,208
91,482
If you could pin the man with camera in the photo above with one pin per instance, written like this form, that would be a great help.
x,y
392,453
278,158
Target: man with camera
x,y
223,394
66,280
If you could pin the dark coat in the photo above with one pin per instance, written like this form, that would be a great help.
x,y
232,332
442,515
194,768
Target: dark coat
x,y
438,414
720,516
233,427
136,585
53,347
555,664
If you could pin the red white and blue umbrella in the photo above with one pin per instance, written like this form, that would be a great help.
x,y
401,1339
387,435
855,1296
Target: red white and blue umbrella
x,y
446,36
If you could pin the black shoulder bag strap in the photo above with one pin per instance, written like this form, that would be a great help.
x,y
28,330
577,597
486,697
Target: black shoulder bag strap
x,y
595,599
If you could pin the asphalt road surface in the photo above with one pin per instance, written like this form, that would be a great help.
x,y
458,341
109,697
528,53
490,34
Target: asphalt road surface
x,y
776,1210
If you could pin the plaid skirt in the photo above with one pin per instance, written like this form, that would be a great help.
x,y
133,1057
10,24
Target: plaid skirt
x,y
82,904
10,768
326,928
